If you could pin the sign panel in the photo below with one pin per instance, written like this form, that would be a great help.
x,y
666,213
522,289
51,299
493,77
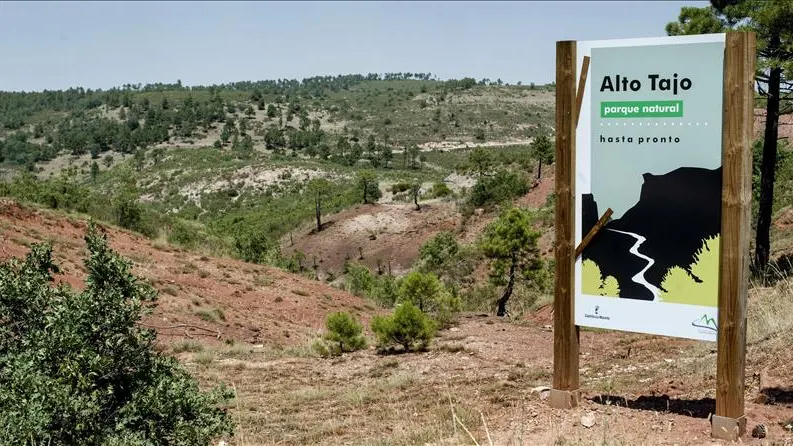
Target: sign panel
x,y
649,146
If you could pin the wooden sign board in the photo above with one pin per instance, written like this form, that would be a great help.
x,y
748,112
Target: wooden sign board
x,y
658,131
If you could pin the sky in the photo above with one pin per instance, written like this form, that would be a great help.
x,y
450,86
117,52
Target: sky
x,y
57,45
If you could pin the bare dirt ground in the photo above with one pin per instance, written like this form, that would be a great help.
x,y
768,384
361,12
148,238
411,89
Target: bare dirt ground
x,y
459,145
209,299
251,178
486,371
386,233
491,373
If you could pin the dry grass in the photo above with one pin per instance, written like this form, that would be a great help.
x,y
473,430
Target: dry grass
x,y
474,386
210,314
274,407
768,315
190,346
204,358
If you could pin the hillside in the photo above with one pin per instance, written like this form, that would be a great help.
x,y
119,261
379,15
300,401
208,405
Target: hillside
x,y
209,299
225,168
211,192
489,372
395,110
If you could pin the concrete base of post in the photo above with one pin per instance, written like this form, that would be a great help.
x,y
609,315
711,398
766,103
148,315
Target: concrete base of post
x,y
564,399
727,428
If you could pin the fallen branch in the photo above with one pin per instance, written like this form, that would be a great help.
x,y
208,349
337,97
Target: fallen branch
x,y
171,327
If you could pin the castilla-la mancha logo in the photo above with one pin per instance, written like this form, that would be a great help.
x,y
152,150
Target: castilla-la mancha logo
x,y
597,314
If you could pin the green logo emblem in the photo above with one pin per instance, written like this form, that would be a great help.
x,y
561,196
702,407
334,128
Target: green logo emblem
x,y
706,322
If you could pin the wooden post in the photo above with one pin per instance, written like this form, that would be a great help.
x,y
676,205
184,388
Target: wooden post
x,y
729,423
565,392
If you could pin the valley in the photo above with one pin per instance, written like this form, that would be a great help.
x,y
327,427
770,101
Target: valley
x,y
213,193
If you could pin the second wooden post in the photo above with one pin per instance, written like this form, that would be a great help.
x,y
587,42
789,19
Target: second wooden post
x,y
565,392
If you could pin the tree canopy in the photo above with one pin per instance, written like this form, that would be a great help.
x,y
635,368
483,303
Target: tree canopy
x,y
76,368
511,244
772,22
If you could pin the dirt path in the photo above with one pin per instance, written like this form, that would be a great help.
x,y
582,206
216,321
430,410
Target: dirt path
x,y
462,145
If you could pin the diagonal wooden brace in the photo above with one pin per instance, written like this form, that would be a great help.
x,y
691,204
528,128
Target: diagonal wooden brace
x,y
592,232
579,97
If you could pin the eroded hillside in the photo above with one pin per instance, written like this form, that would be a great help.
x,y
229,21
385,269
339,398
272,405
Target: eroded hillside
x,y
203,298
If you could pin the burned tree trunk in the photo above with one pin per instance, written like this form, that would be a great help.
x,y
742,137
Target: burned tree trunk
x,y
318,211
502,302
767,169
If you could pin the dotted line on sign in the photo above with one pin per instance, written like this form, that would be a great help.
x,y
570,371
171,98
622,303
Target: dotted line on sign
x,y
656,124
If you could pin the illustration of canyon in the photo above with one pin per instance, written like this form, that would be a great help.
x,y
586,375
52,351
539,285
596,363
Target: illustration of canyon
x,y
665,247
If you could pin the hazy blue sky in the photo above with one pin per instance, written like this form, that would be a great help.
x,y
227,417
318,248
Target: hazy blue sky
x,y
54,45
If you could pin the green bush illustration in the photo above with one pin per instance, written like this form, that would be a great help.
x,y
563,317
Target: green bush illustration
x,y
593,282
680,286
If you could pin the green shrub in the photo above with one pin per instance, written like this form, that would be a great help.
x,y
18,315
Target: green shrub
x,y
128,213
438,251
421,290
76,368
448,305
439,189
344,334
408,327
385,292
481,297
501,187
321,348
358,280
257,248
427,292
400,187
184,234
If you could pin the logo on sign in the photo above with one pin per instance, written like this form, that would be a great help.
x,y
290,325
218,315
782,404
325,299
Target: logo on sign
x,y
597,314
706,324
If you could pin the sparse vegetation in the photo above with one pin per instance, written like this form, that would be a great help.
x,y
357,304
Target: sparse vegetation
x,y
204,191
189,346
239,169
407,327
498,189
210,314
344,334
